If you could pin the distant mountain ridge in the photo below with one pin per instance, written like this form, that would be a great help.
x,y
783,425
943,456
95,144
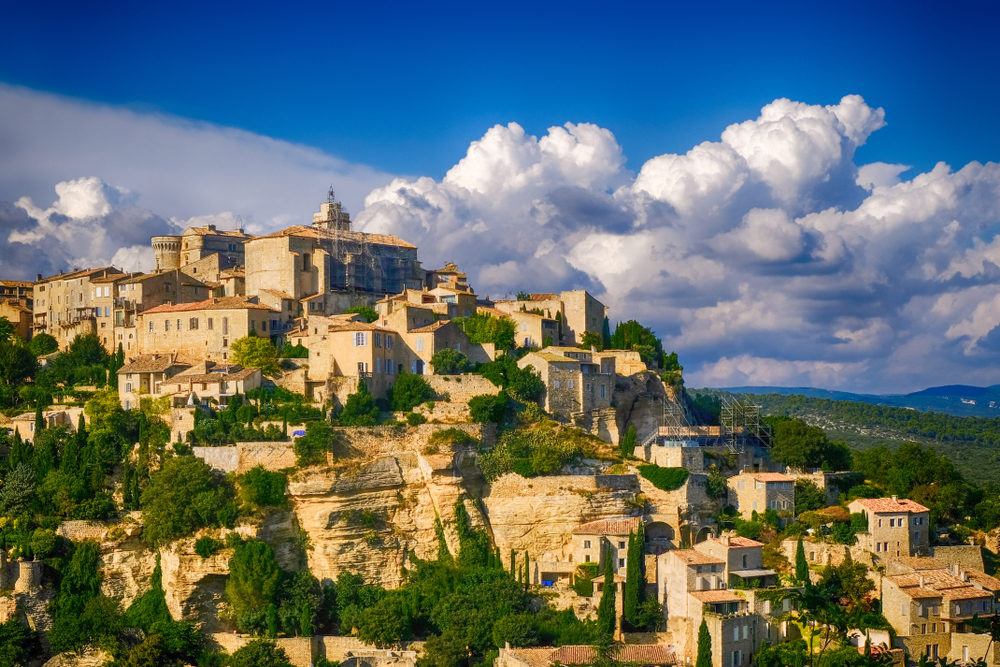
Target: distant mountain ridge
x,y
955,399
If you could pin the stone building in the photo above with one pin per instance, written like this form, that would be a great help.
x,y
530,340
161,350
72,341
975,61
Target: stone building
x,y
18,313
64,304
575,312
762,491
18,290
574,381
344,351
449,276
142,376
895,527
328,267
204,329
24,424
422,343
185,383
196,243
593,541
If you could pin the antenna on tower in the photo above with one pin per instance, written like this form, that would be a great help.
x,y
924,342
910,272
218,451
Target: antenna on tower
x,y
331,196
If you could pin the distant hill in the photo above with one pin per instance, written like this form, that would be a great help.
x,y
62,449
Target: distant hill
x,y
954,399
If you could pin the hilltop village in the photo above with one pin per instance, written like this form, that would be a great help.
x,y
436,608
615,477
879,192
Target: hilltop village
x,y
305,448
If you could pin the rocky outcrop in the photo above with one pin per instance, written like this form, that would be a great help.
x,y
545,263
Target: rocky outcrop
x,y
89,657
194,586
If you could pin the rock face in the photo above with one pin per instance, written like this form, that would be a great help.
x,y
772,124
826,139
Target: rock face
x,y
194,586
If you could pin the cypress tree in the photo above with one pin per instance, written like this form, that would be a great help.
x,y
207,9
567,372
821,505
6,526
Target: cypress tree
x,y
606,607
39,418
628,442
127,487
443,554
19,452
635,577
497,561
527,569
704,646
801,565
606,333
513,561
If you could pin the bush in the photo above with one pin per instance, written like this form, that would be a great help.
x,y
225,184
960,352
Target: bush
x,y
206,546
450,437
367,313
483,328
665,479
183,496
255,352
415,419
408,392
42,343
451,362
486,408
252,583
541,449
311,448
262,488
259,653
360,409
297,351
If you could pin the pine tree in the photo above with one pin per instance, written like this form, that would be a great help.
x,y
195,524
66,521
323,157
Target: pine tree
x,y
704,646
801,565
606,607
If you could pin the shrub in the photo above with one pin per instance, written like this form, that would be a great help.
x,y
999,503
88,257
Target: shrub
x,y
409,391
262,488
259,653
415,419
360,408
665,479
255,352
451,436
486,408
206,546
311,448
297,351
252,583
540,449
367,313
183,496
451,362
483,328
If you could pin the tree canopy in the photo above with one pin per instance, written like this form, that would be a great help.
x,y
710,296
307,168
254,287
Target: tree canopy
x,y
256,352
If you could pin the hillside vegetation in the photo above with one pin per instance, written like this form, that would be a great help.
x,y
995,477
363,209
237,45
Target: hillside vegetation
x,y
971,443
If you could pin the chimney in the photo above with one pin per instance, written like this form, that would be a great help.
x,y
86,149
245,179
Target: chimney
x,y
895,499
211,228
921,579
38,277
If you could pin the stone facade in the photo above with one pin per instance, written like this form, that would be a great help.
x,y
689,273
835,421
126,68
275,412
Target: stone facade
x,y
573,381
575,312
64,304
895,527
762,491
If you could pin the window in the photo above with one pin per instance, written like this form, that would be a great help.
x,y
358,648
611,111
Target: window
x,y
602,391
746,630
524,326
359,339
178,324
209,324
586,558
225,326
166,325
736,634
362,367
586,544
151,325
225,343
621,544
621,562
737,658
388,342
193,323
420,343
378,363
263,325
305,262
569,384
555,384
378,339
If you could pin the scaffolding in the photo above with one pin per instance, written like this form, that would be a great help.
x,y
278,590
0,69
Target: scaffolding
x,y
740,424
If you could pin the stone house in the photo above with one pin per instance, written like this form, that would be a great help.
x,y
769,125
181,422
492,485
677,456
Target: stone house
x,y
593,541
209,383
531,329
196,243
18,313
423,342
744,560
573,382
762,491
142,376
930,611
342,348
24,424
575,312
64,306
441,302
202,330
331,265
895,527
17,290
140,292
449,276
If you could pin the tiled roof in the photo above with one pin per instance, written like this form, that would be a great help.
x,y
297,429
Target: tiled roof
x,y
984,580
937,583
357,326
150,364
617,578
692,557
205,231
16,283
721,595
737,542
890,505
431,328
220,303
279,294
922,563
622,526
641,654
234,375
82,273
111,277
771,477
307,231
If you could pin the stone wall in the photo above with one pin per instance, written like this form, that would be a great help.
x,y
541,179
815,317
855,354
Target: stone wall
x,y
966,556
461,388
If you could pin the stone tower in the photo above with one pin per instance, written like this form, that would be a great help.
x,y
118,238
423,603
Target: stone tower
x,y
167,250
332,216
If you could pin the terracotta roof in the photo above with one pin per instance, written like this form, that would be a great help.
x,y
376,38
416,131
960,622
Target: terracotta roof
x,y
111,277
220,303
721,595
543,296
622,526
16,283
553,358
737,542
642,654
307,231
984,580
922,563
890,505
205,231
214,376
617,578
431,328
771,477
693,557
357,326
80,273
279,294
937,583
150,364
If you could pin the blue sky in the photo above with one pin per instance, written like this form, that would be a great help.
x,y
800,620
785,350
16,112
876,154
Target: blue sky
x,y
406,86
795,194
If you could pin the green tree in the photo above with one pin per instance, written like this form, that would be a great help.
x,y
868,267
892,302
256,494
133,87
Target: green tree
x,y
635,578
628,442
360,408
256,352
388,622
408,391
592,340
18,491
606,607
259,653
451,362
18,644
311,448
801,565
183,496
486,408
6,329
704,646
80,614
808,496
260,487
367,313
484,328
252,583
16,361
43,343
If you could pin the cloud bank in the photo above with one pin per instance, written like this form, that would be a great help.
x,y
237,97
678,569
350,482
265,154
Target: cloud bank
x,y
767,257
